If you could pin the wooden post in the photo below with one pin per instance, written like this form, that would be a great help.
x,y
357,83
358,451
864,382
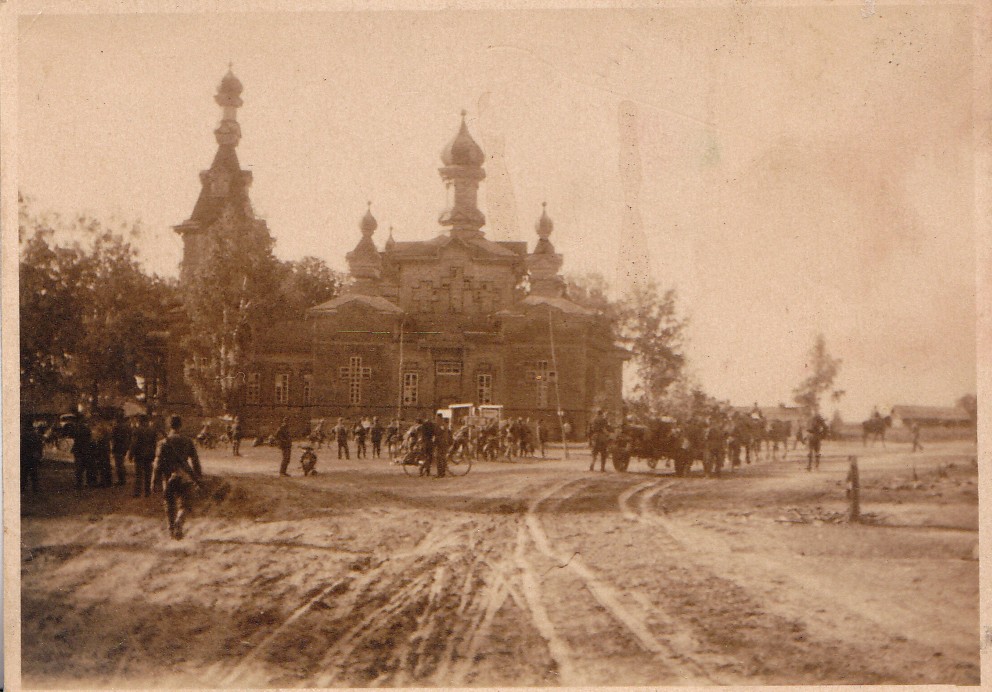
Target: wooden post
x,y
854,491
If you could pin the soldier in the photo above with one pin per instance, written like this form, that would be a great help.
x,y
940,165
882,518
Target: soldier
x,y
375,432
284,440
361,450
916,437
540,435
393,436
599,431
100,455
82,440
120,441
32,448
178,463
427,431
442,444
142,453
236,436
340,432
817,431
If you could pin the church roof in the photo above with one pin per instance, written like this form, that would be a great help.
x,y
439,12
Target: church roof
x,y
563,304
374,302
208,206
431,248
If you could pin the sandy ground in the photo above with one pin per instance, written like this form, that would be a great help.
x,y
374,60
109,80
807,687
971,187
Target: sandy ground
x,y
529,573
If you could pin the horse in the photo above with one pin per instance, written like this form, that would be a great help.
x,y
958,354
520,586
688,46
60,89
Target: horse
x,y
875,427
779,432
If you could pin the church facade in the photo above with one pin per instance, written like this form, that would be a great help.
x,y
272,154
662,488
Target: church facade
x,y
422,324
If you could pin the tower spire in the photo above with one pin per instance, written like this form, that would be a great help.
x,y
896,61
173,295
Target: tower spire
x,y
228,97
463,171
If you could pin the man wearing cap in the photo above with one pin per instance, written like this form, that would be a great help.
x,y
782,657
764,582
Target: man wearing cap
x,y
285,443
178,463
142,453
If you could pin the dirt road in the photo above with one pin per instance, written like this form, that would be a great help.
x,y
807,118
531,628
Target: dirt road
x,y
531,573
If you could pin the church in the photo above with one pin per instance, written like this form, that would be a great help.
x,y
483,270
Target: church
x,y
421,324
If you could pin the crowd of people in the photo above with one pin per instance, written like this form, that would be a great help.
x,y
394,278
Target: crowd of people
x,y
166,464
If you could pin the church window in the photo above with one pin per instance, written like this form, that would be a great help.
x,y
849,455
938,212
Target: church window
x,y
307,389
355,373
282,388
254,389
449,367
485,388
411,388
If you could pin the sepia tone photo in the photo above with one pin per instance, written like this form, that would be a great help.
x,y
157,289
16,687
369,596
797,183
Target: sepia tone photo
x,y
477,347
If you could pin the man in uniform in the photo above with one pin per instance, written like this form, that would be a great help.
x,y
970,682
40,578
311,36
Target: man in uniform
x,y
376,432
179,464
817,431
442,443
120,441
284,440
427,431
340,432
142,452
236,436
599,430
360,432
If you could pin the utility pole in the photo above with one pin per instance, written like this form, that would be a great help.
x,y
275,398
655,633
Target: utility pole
x,y
554,364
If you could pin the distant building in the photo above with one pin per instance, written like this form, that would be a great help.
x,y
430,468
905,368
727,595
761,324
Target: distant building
x,y
931,416
423,324
797,415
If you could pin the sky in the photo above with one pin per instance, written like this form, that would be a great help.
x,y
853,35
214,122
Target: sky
x,y
803,169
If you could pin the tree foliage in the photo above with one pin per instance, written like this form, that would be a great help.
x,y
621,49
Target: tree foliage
x,y
87,307
822,369
647,323
230,293
308,282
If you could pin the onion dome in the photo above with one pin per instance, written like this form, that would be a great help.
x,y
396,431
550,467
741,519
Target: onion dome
x,y
230,84
463,150
368,223
544,225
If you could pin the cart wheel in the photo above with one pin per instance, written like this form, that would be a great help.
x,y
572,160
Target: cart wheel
x,y
459,465
411,469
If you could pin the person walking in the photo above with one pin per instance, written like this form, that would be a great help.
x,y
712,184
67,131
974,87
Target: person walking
x,y
82,453
236,436
442,445
340,432
178,463
427,431
100,455
120,442
376,432
144,440
361,450
284,440
817,431
599,438
916,437
541,435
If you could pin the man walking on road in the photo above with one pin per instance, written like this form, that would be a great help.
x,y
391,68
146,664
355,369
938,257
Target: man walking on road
x,y
340,432
817,431
179,464
916,438
599,431
376,432
426,433
236,436
142,453
285,443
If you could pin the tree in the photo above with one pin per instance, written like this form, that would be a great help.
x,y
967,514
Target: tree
x,y
646,322
306,283
822,370
87,307
969,402
231,292
649,326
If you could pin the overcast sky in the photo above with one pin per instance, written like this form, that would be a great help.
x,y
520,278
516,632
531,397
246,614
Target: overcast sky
x,y
803,169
